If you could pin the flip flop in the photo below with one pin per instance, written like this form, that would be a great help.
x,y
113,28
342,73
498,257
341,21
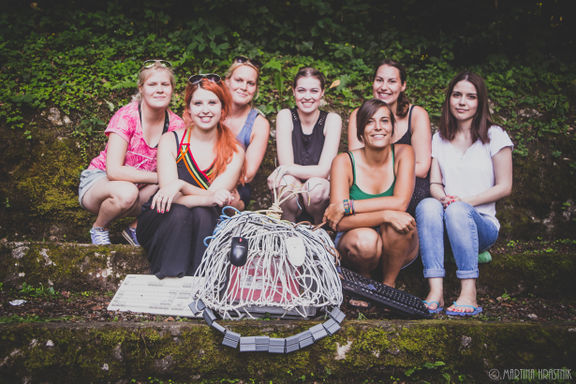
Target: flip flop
x,y
475,310
360,304
438,308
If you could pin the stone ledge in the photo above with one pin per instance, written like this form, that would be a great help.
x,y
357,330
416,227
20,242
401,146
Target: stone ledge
x,y
536,270
362,351
71,266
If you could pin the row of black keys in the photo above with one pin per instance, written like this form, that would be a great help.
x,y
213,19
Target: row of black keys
x,y
361,287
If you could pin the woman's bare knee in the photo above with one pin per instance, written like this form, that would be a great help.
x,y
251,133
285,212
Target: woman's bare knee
x,y
317,191
402,246
125,196
362,248
145,193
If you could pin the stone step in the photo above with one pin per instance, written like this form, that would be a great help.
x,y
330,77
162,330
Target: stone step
x,y
66,335
540,269
362,351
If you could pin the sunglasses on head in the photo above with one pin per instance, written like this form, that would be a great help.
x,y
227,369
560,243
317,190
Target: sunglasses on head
x,y
150,63
195,79
244,59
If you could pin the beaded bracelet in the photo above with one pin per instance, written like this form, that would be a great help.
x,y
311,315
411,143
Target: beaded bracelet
x,y
346,204
348,207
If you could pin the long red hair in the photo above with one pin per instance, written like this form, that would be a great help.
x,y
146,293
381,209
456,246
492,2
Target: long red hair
x,y
226,144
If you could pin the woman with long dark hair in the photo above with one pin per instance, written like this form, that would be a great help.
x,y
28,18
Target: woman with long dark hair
x,y
471,170
412,123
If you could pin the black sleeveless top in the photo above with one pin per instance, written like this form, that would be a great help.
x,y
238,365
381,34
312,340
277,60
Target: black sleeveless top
x,y
307,148
407,138
422,185
186,165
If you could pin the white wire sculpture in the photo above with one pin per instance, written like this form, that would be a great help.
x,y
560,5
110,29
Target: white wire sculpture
x,y
290,269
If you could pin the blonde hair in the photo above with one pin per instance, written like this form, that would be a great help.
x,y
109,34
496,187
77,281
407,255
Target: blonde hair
x,y
146,72
235,65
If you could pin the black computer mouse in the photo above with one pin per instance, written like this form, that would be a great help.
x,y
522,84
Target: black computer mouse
x,y
238,251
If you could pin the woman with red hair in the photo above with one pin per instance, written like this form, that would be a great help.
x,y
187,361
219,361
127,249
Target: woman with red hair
x,y
198,167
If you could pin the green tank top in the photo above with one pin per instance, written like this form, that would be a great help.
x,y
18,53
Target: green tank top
x,y
357,194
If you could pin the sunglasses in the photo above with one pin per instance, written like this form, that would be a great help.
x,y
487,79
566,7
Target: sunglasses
x,y
150,63
195,79
244,59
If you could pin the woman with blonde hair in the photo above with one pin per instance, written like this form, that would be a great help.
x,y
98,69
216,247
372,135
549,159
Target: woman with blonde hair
x,y
123,176
248,124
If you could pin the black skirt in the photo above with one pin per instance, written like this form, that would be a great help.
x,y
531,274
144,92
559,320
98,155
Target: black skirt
x,y
174,241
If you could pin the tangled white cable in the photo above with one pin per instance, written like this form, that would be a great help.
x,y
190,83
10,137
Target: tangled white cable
x,y
289,269
259,265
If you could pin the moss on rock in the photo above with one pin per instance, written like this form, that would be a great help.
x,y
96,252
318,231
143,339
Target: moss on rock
x,y
543,269
545,272
69,266
361,351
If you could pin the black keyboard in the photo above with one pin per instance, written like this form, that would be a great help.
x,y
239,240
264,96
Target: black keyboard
x,y
364,288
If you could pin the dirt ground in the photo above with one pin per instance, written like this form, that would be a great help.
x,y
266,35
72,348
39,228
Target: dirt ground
x,y
55,305
92,306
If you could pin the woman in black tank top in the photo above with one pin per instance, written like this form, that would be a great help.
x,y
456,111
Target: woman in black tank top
x,y
413,124
307,141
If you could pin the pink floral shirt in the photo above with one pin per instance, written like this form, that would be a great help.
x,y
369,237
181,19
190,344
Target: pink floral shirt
x,y
126,124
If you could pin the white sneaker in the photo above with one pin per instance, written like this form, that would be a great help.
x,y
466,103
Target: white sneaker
x,y
100,236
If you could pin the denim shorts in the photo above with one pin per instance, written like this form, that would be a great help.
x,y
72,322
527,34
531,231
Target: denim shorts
x,y
87,179
341,233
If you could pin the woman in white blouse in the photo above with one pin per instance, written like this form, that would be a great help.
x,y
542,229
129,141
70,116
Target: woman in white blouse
x,y
471,169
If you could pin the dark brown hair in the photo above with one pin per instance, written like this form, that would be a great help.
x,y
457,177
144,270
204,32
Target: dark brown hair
x,y
365,113
481,121
403,103
310,72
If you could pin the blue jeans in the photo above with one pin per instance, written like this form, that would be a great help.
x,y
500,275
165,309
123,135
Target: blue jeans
x,y
468,231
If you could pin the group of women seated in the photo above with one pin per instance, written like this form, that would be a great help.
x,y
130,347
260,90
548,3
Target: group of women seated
x,y
395,193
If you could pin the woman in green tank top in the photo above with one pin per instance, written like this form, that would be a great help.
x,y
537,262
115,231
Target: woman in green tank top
x,y
371,188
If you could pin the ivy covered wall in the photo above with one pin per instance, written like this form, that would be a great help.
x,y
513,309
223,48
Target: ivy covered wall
x,y
66,66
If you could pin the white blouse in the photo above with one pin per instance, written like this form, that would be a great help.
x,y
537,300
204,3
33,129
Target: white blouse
x,y
470,172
